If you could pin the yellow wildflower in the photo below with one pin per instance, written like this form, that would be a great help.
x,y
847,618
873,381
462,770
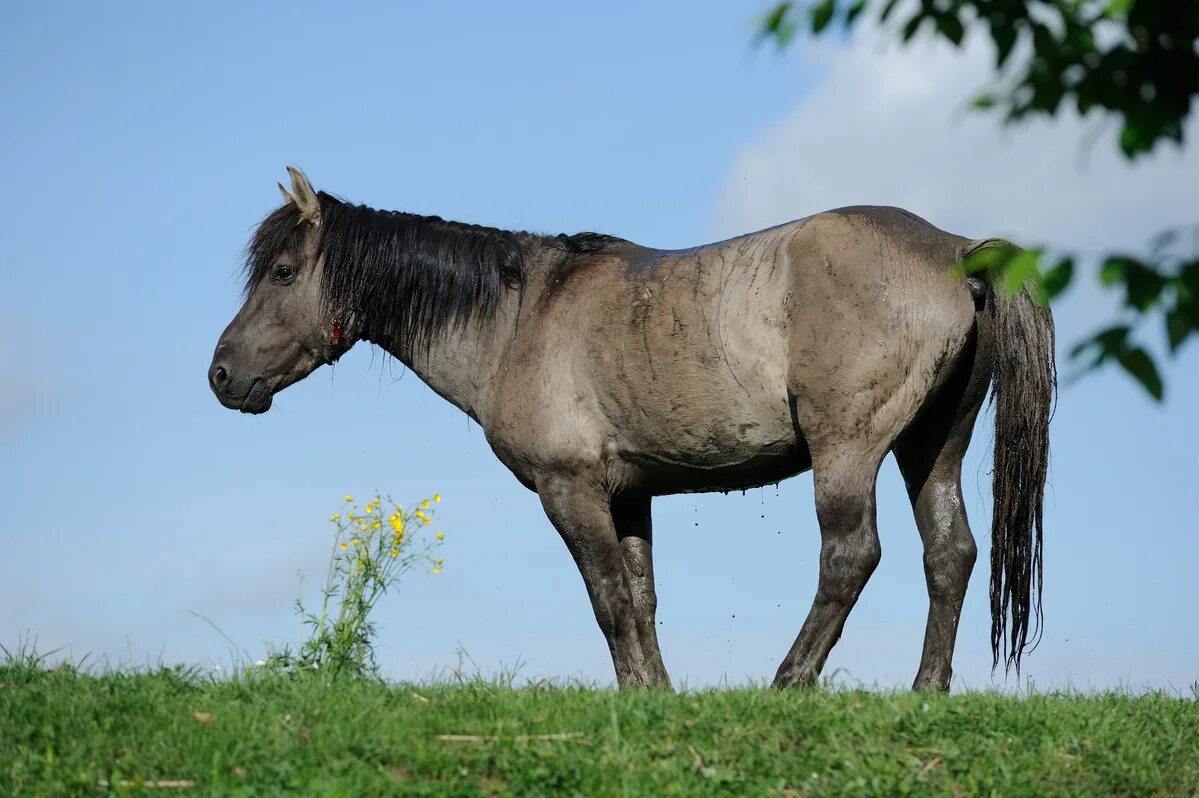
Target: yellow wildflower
x,y
343,545
335,516
425,504
436,570
349,498
375,525
440,560
427,520
437,498
439,536
395,553
370,507
356,541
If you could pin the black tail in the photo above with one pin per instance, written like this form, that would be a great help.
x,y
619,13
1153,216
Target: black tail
x,y
1023,390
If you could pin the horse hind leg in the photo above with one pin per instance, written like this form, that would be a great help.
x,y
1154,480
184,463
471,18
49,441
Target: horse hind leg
x,y
849,553
850,419
930,455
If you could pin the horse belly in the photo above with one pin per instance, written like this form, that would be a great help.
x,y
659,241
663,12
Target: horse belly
x,y
661,478
710,443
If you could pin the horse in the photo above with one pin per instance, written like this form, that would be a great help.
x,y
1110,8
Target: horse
x,y
604,373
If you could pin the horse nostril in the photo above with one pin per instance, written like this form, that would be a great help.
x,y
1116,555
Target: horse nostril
x,y
217,377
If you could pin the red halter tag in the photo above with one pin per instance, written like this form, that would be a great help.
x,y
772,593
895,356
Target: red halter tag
x,y
336,336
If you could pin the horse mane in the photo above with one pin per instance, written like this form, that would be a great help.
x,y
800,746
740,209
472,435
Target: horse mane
x,y
589,243
405,276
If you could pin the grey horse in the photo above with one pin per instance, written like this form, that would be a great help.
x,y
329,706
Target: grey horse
x,y
604,373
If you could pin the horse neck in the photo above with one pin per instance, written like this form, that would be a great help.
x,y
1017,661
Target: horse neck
x,y
461,361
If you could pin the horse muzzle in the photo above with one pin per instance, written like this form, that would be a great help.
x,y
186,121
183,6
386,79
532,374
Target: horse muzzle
x,y
247,394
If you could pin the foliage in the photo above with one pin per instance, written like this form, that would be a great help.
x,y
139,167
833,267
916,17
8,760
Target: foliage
x,y
66,733
1135,59
1168,283
371,552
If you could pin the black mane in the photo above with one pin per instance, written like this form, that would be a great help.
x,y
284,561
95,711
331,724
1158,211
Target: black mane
x,y
404,276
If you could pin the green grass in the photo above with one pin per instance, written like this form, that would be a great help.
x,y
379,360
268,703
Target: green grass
x,y
63,732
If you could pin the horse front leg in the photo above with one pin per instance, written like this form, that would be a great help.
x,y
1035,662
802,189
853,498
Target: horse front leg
x,y
634,529
581,512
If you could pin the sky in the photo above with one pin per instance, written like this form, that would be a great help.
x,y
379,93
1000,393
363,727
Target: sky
x,y
141,143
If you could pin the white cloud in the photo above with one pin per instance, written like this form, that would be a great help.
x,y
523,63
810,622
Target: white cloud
x,y
892,125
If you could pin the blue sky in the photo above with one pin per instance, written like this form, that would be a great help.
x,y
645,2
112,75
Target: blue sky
x,y
141,143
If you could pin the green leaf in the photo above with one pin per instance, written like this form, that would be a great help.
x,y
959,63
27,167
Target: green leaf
x,y
984,101
1019,269
1143,285
987,260
1004,34
913,25
854,11
1188,275
1107,343
1055,281
1135,138
1113,270
775,16
1118,9
949,26
1137,362
777,24
822,14
1178,327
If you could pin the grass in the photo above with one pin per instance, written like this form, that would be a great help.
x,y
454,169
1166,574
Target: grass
x,y
65,732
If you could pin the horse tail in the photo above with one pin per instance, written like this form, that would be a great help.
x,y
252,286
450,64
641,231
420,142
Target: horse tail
x,y
1024,384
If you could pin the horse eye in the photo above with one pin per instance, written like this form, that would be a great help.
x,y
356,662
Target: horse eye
x,y
283,274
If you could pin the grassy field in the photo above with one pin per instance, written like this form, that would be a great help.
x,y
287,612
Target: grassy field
x,y
68,733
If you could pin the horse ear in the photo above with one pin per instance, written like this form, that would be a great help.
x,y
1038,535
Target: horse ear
x,y
305,198
287,197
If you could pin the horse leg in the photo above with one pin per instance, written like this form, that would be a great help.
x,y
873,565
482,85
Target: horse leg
x,y
581,512
849,553
930,457
634,529
934,486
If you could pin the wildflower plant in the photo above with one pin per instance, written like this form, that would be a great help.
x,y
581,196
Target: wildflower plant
x,y
374,547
